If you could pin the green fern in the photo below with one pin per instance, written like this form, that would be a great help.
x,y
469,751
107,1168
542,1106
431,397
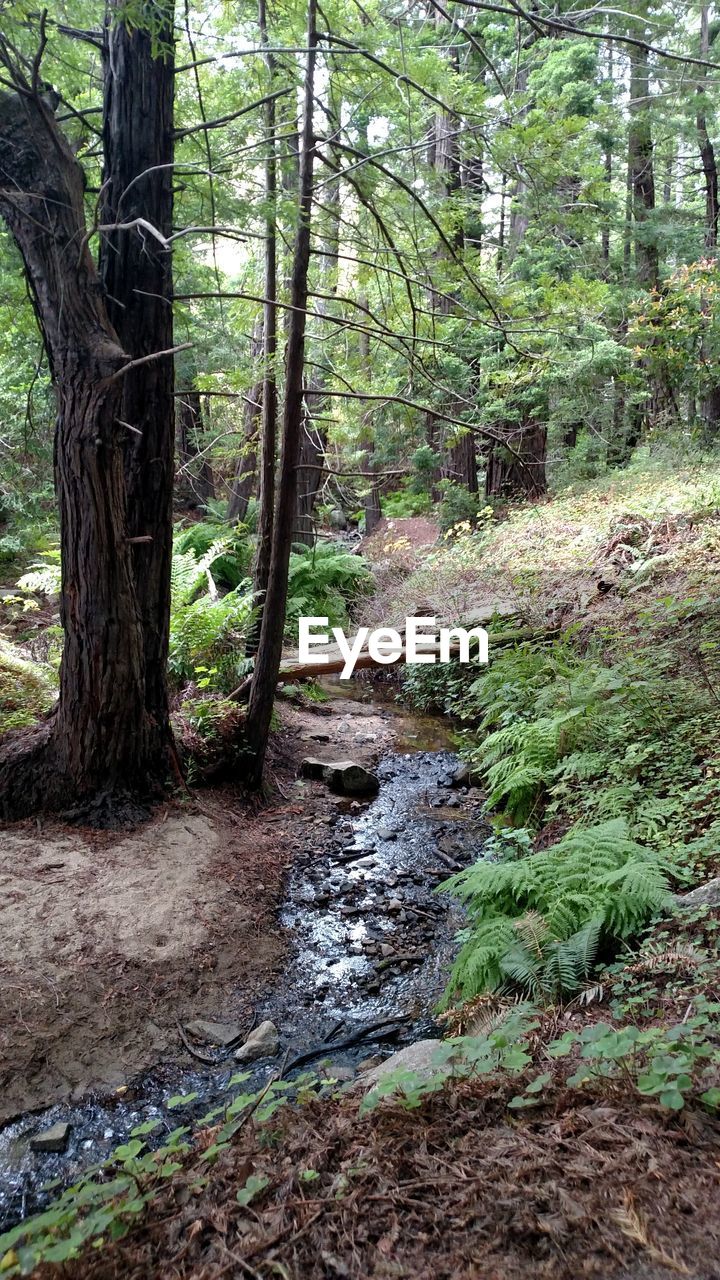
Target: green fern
x,y
538,922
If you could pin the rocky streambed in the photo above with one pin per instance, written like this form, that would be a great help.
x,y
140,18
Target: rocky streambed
x,y
371,946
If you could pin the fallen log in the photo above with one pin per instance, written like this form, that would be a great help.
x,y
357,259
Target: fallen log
x,y
291,671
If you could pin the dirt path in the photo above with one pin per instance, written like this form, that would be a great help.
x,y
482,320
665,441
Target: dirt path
x,y
108,939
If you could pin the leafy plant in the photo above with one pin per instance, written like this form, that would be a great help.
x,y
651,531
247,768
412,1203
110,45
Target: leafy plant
x,y
538,923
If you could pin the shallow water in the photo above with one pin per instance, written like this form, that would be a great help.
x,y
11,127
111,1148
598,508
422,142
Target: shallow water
x,y
367,898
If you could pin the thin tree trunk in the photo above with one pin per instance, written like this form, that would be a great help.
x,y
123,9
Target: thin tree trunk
x,y
371,502
268,425
100,750
196,481
137,274
267,662
707,151
244,481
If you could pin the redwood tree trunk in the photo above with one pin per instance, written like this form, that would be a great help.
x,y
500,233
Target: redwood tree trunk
x,y
137,275
269,654
99,751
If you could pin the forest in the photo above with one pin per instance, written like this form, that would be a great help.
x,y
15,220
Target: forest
x,y
344,314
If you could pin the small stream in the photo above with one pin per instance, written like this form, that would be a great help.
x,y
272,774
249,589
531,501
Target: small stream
x,y
371,941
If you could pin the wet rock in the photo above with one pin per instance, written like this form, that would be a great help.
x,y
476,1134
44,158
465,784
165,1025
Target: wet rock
x,y
461,777
53,1139
387,833
221,1033
312,768
416,1057
263,1042
349,778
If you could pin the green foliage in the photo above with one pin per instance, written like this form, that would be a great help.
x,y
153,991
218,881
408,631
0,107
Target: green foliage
x,y
228,553
406,502
459,1058
110,1198
567,734
537,923
458,506
27,689
207,639
323,581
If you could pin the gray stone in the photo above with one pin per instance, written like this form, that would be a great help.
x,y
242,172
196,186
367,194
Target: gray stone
x,y
221,1033
53,1139
461,777
343,776
349,778
311,767
706,895
263,1042
416,1057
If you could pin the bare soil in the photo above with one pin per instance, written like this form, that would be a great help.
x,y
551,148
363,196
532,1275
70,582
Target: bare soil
x,y
108,939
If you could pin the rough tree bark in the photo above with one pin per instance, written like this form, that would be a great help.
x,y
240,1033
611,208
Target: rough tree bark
x,y
137,274
267,662
100,752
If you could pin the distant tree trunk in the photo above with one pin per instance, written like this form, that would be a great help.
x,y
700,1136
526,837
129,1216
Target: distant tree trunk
x,y
102,751
710,407
707,151
463,462
500,260
138,142
196,483
640,166
244,482
269,654
310,470
518,470
268,422
371,503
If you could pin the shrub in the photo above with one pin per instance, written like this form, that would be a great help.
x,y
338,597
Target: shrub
x,y
538,922
323,581
26,689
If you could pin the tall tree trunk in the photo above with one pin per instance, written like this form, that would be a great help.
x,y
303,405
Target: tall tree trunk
x,y
371,502
707,151
640,167
314,437
710,408
269,654
244,482
196,482
310,467
100,751
137,274
268,424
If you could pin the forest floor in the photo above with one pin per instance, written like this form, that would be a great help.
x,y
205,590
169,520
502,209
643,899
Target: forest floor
x,y
109,938
591,1180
